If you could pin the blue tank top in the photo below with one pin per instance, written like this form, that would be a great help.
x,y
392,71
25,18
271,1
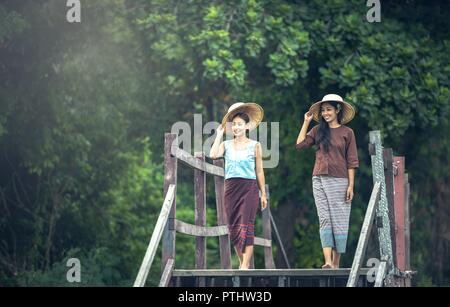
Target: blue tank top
x,y
240,163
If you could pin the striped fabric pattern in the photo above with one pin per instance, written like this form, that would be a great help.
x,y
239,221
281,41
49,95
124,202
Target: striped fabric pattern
x,y
333,211
241,203
243,235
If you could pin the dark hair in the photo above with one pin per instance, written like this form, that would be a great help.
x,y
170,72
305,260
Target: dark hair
x,y
323,132
242,115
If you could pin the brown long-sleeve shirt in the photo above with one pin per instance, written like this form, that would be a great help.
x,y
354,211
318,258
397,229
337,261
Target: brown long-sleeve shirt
x,y
341,156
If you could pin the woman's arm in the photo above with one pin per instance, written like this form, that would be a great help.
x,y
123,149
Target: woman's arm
x,y
217,149
351,183
260,176
302,135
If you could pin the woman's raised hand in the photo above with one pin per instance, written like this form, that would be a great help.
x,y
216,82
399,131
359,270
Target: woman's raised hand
x,y
220,130
308,117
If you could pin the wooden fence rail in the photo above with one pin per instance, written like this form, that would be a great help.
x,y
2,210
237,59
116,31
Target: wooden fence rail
x,y
156,237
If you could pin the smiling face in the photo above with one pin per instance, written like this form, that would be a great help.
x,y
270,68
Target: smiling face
x,y
239,126
328,112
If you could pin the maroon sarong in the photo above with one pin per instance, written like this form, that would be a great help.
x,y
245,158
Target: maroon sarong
x,y
241,203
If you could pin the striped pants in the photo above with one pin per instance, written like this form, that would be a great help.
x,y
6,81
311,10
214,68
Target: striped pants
x,y
333,211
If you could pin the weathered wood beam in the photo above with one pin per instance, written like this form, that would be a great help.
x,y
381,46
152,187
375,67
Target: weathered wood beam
x,y
156,237
191,161
200,212
267,233
381,273
200,231
167,274
222,220
277,234
364,236
262,242
343,272
170,177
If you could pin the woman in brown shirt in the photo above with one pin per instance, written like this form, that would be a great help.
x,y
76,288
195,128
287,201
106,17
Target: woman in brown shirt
x,y
334,171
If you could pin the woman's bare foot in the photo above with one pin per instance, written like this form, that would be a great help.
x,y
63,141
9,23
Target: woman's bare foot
x,y
327,266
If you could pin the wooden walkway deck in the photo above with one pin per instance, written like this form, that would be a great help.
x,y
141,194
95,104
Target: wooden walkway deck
x,y
266,278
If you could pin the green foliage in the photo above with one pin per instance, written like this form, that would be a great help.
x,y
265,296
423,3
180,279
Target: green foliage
x,y
394,72
10,23
97,268
83,109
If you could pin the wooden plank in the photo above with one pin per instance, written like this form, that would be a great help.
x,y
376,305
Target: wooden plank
x,y
156,237
343,272
191,161
200,212
222,220
381,273
262,242
267,234
388,160
364,236
200,231
236,282
383,222
281,281
252,261
407,231
167,274
407,224
399,211
170,177
372,149
275,229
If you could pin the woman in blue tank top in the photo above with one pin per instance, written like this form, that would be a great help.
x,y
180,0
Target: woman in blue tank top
x,y
244,176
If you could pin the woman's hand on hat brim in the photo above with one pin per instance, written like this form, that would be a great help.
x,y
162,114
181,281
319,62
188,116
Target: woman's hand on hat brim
x,y
220,129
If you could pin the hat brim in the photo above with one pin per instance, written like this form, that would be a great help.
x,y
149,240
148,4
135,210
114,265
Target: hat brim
x,y
347,109
254,111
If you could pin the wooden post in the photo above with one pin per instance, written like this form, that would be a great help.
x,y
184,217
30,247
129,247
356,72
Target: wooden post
x,y
383,223
407,230
224,241
389,180
275,229
252,260
170,177
200,212
267,233
399,210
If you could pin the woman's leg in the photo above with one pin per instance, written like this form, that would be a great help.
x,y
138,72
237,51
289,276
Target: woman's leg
x,y
335,258
327,256
247,257
323,211
240,256
336,188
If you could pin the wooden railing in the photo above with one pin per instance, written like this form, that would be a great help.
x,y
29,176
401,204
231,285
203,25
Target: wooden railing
x,y
169,225
364,236
156,238
389,203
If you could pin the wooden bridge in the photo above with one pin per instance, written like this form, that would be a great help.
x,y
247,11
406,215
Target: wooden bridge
x,y
388,206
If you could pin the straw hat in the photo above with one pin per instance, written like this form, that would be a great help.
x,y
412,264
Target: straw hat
x,y
348,112
254,111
